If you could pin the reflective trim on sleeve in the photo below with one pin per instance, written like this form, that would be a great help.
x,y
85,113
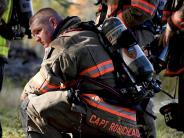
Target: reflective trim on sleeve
x,y
97,102
3,47
50,87
144,5
99,69
8,12
43,86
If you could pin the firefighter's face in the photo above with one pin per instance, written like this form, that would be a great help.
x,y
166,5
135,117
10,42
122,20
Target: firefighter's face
x,y
42,31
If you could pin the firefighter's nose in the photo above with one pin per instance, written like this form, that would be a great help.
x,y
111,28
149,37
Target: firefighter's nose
x,y
37,38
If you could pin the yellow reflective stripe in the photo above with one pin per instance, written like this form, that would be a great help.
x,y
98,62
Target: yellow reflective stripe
x,y
39,79
3,47
4,51
6,17
8,12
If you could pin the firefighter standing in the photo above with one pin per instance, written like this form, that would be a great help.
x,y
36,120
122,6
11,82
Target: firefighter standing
x,y
137,16
173,37
5,17
5,14
12,27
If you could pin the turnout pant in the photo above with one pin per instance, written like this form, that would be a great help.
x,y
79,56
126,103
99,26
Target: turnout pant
x,y
50,114
146,119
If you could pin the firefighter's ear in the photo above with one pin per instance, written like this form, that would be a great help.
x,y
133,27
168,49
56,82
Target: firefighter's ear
x,y
53,22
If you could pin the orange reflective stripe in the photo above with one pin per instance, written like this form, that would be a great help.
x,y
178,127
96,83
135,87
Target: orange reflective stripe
x,y
100,73
103,106
99,69
144,5
43,90
94,95
49,87
92,103
178,22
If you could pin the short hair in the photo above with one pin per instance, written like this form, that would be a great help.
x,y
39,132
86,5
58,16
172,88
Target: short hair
x,y
44,14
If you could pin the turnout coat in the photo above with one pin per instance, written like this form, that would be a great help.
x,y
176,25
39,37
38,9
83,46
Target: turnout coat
x,y
73,54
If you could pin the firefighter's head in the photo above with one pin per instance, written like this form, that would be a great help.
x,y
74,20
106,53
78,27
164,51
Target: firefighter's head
x,y
43,25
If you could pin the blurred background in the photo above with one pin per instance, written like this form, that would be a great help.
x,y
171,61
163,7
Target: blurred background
x,y
24,60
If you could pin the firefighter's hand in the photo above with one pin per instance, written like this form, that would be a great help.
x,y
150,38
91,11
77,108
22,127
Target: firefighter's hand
x,y
23,96
28,90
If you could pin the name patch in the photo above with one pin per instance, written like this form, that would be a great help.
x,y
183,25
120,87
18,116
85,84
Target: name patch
x,y
116,128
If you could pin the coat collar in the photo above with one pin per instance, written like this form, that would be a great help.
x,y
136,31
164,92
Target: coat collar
x,y
67,23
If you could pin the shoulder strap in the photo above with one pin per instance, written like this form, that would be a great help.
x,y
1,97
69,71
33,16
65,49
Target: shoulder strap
x,y
103,12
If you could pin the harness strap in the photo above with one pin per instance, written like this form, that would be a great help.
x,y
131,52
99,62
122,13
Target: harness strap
x,y
103,13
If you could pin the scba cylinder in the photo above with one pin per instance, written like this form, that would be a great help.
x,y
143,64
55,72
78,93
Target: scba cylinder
x,y
124,41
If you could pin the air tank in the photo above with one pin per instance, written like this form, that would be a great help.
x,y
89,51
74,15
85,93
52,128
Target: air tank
x,y
123,40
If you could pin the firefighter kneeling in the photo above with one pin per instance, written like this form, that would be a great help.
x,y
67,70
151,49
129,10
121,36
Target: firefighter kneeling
x,y
75,89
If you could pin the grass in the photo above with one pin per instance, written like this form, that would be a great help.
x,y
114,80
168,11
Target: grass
x,y
9,113
12,128
165,132
11,123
